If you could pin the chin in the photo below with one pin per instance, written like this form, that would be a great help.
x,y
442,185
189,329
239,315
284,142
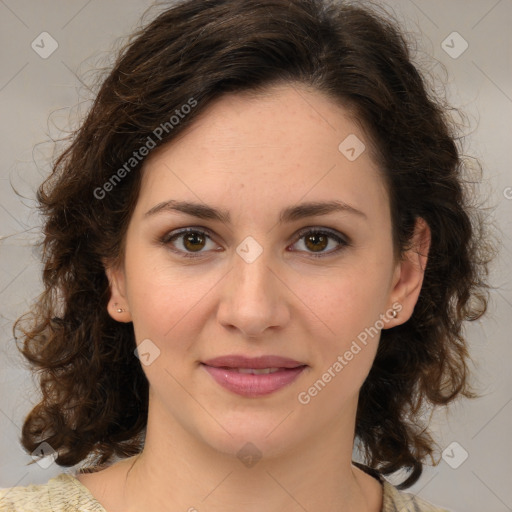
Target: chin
x,y
252,438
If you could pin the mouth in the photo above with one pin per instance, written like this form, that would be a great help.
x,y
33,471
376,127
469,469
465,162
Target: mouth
x,y
253,371
253,377
261,362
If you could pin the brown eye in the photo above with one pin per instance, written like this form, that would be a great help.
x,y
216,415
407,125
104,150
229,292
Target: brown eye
x,y
190,242
194,241
187,242
316,241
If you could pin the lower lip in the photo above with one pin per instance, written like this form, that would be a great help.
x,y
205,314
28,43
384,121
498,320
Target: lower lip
x,y
251,385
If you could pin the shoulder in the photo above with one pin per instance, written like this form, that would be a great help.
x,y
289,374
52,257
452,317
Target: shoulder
x,y
63,493
394,500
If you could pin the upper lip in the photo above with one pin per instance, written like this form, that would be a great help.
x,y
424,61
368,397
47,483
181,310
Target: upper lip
x,y
238,361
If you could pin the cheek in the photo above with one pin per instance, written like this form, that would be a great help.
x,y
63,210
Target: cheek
x,y
345,310
164,309
160,300
346,342
166,300
346,302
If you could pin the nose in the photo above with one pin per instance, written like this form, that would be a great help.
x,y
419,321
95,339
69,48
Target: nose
x,y
254,297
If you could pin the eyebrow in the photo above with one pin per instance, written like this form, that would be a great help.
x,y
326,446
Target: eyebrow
x,y
289,214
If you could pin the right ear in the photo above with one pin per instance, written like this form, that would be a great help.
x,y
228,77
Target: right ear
x,y
118,307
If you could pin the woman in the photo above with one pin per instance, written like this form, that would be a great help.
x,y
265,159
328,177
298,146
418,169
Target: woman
x,y
258,255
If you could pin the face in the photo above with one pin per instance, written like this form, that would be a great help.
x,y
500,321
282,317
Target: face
x,y
312,286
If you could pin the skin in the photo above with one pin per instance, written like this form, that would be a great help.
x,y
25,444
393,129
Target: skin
x,y
253,156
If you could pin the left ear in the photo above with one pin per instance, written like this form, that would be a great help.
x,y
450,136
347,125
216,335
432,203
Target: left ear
x,y
118,305
409,273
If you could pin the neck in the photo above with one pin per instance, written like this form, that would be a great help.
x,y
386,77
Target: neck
x,y
180,472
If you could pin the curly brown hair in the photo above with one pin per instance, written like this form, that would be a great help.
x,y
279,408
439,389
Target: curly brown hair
x,y
94,391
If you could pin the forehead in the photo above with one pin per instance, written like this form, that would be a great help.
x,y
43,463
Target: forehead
x,y
283,144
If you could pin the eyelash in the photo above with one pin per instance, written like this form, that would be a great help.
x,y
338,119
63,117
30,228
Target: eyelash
x,y
170,237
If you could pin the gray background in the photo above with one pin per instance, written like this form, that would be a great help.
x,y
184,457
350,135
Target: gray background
x,y
41,97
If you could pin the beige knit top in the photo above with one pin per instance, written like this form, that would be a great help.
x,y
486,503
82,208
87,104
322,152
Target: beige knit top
x,y
65,493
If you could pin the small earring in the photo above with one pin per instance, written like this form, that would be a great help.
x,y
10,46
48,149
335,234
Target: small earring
x,y
119,310
395,313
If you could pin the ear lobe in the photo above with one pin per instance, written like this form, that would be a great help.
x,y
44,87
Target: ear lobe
x,y
411,270
117,305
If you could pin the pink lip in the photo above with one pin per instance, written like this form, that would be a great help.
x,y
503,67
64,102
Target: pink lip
x,y
268,361
224,371
250,385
